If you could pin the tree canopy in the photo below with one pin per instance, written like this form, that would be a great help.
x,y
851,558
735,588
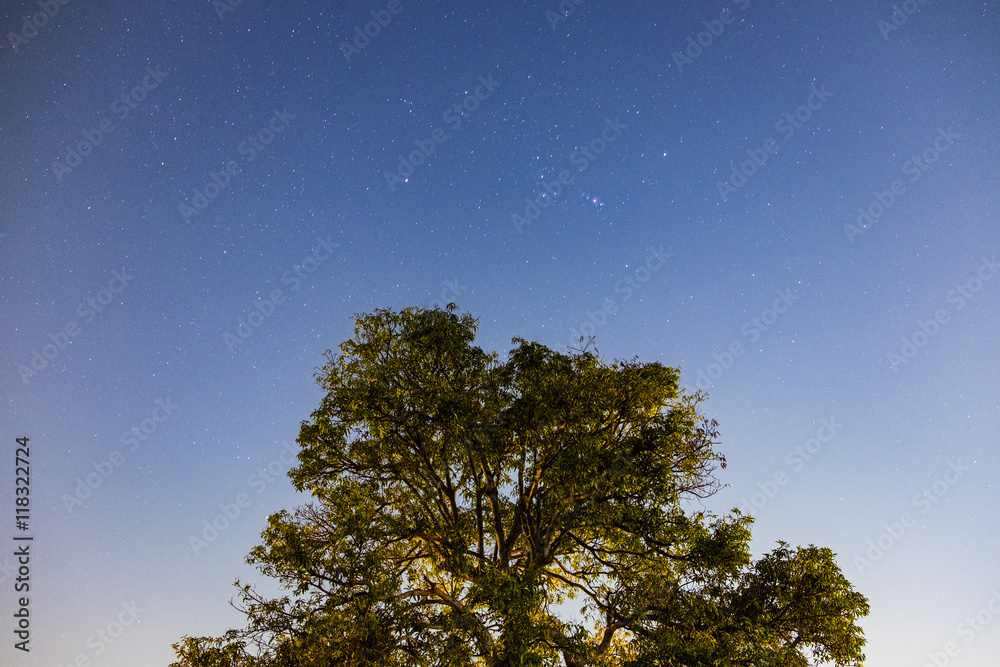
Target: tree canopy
x,y
532,511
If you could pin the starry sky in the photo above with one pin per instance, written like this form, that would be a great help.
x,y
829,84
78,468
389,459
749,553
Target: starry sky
x,y
795,203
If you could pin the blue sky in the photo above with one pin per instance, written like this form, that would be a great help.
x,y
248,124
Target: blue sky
x,y
795,204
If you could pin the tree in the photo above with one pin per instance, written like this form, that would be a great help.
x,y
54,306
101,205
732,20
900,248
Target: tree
x,y
462,503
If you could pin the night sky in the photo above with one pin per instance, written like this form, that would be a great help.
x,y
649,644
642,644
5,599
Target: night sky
x,y
796,203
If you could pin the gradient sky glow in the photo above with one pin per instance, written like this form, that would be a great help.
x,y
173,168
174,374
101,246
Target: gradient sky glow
x,y
795,202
